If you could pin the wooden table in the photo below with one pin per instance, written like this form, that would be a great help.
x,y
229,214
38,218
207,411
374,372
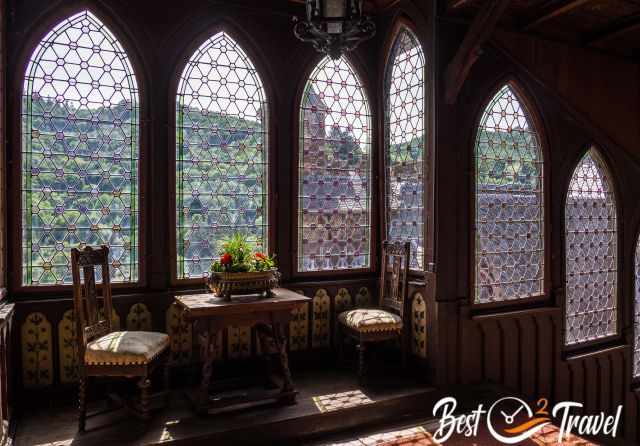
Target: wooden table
x,y
212,314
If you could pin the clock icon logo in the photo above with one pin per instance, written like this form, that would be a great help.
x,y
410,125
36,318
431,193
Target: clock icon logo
x,y
511,420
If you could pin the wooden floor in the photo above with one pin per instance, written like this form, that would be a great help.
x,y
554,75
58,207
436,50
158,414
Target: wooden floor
x,y
329,401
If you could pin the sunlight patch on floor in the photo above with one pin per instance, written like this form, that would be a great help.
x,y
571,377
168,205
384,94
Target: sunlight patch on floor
x,y
549,436
415,436
339,401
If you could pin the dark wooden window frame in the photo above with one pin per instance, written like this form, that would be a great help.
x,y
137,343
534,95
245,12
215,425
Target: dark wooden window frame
x,y
4,171
360,72
227,26
593,346
635,380
401,23
517,85
14,174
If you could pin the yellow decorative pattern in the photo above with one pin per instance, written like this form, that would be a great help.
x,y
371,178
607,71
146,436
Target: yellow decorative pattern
x,y
299,327
239,342
320,327
217,345
139,318
67,348
181,335
363,298
115,319
419,326
37,363
342,301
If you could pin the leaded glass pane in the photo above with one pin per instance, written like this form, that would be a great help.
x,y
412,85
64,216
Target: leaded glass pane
x,y
334,221
509,203
591,253
80,149
221,154
636,317
404,143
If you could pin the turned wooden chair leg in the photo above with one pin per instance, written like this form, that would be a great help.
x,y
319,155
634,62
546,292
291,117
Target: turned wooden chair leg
x,y
82,403
145,393
362,367
340,341
404,349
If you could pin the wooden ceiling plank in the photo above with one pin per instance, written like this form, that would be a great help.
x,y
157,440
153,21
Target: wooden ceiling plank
x,y
479,32
558,9
616,29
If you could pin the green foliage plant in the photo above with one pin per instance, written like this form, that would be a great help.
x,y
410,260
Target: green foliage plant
x,y
237,256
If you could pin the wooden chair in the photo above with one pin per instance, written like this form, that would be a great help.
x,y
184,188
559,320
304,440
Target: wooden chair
x,y
103,352
384,323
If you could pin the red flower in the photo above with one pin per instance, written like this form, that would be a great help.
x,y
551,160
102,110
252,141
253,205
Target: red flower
x,y
225,259
260,256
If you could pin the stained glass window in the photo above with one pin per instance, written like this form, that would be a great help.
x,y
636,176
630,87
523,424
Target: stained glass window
x,y
80,147
221,154
404,144
334,216
636,317
509,259
591,252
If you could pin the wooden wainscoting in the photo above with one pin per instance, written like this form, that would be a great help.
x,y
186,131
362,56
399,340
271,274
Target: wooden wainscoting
x,y
522,351
45,343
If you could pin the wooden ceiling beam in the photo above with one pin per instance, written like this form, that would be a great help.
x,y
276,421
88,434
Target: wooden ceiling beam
x,y
558,9
616,29
454,4
479,32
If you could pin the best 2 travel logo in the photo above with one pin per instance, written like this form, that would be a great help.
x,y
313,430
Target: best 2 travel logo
x,y
511,420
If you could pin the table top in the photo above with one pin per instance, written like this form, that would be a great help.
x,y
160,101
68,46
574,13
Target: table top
x,y
206,304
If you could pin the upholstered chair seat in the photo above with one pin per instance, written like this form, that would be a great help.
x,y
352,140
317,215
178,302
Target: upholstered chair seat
x,y
368,320
126,348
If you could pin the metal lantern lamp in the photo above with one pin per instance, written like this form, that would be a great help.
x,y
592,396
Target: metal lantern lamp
x,y
334,26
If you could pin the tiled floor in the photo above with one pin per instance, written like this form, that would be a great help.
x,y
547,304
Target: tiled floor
x,y
420,434
414,436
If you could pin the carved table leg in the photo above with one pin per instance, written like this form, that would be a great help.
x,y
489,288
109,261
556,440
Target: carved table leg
x,y
281,345
207,354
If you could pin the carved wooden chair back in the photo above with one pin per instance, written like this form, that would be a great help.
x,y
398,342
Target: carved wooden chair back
x,y
394,288
92,321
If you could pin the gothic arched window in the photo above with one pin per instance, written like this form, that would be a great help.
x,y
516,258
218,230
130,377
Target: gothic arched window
x,y
405,144
509,202
221,154
591,244
80,152
334,171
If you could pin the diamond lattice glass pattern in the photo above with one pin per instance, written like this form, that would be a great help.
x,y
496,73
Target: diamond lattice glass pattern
x,y
80,149
334,170
636,317
221,154
404,143
509,203
591,253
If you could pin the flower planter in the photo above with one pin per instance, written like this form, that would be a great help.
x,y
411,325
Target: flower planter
x,y
226,284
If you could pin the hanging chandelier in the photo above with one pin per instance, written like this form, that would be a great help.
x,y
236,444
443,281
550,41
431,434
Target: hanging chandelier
x,y
334,26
